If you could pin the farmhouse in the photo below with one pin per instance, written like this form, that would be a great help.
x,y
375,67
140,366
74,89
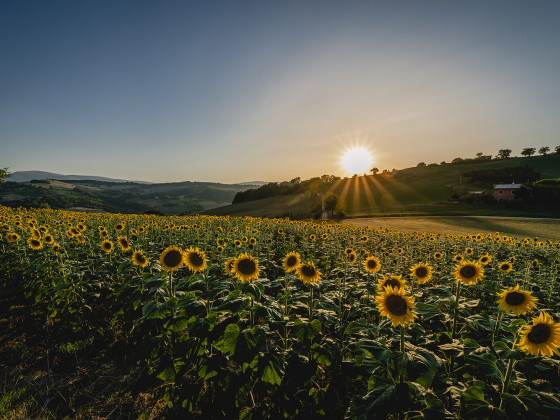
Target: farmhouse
x,y
505,191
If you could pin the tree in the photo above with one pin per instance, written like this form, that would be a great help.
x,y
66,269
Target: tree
x,y
4,173
557,149
528,151
479,155
421,165
374,171
296,180
330,202
503,153
544,150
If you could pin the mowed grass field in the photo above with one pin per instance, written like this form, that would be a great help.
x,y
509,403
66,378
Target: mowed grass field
x,y
544,229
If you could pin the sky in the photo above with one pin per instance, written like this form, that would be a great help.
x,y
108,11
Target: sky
x,y
236,91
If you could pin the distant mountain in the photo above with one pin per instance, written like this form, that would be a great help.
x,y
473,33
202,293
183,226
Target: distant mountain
x,y
259,183
26,176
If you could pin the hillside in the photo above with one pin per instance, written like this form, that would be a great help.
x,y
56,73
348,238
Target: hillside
x,y
120,197
27,176
430,190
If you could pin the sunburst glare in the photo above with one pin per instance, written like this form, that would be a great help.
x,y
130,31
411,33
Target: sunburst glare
x,y
357,160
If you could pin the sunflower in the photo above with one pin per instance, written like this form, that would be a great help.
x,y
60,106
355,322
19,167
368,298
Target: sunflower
x,y
237,243
246,268
352,257
438,255
219,248
252,241
469,251
48,239
228,267
485,259
291,261
107,246
171,258
396,305
123,243
308,273
391,280
458,258
119,227
12,237
543,337
195,260
34,243
516,300
505,267
55,247
421,272
348,251
469,272
372,265
139,259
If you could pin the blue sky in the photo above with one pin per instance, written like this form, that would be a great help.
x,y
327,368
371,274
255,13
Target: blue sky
x,y
270,90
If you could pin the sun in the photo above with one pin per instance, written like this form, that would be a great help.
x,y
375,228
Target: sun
x,y
357,160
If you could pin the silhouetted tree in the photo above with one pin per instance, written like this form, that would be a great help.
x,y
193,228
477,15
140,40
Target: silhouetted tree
x,y
374,171
557,149
330,202
421,165
4,173
528,151
544,150
296,180
503,153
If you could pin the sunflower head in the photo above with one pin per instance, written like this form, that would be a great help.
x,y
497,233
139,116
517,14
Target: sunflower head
x,y
438,255
516,300
391,280
469,272
352,257
123,242
421,272
308,273
372,264
34,243
540,338
458,258
246,268
505,267
291,261
394,304
107,246
195,260
139,259
229,267
171,258
485,259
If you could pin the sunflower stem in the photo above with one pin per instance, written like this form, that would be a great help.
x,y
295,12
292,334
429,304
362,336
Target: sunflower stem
x,y
495,330
311,304
507,380
456,315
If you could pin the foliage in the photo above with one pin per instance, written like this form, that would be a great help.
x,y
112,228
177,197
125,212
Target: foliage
x,y
528,151
276,347
487,177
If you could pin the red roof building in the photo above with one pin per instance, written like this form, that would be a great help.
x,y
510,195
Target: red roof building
x,y
505,191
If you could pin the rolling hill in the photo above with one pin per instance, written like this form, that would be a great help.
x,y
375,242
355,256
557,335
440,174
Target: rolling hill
x,y
430,190
119,197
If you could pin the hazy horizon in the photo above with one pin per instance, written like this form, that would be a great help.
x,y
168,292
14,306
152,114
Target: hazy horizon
x,y
237,92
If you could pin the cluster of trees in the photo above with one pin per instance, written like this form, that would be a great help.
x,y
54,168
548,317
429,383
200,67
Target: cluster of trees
x,y
502,154
488,177
295,186
544,191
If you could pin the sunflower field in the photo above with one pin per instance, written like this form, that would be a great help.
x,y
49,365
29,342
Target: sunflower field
x,y
273,318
